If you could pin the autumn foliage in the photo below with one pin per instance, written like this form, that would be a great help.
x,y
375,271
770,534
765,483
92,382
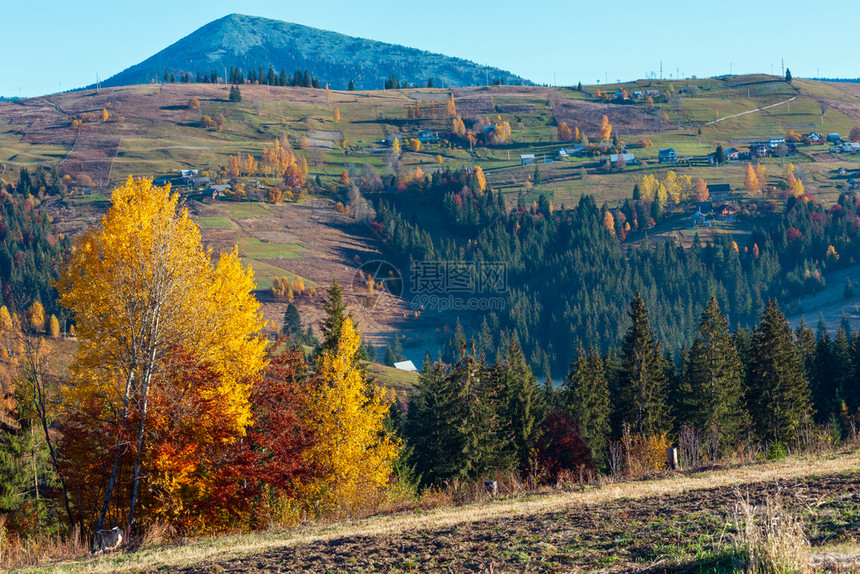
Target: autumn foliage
x,y
605,129
346,416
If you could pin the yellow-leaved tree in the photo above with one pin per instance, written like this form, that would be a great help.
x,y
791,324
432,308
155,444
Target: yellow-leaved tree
x,y
605,129
140,287
347,416
751,182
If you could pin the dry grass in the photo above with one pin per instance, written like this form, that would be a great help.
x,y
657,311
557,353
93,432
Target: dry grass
x,y
230,547
770,539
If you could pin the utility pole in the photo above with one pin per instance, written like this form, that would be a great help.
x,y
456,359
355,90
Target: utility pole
x,y
661,71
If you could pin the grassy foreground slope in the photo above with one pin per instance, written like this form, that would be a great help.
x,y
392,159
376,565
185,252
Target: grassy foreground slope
x,y
678,520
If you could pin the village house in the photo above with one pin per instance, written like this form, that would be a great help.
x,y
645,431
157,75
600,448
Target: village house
x,y
815,138
628,158
667,155
698,218
427,136
719,191
773,143
527,158
758,150
834,138
731,153
850,147
726,212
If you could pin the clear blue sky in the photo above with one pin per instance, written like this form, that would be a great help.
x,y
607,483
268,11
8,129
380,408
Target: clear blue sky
x,y
48,46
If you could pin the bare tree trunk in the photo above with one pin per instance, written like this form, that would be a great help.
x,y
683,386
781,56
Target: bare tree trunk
x,y
140,432
117,455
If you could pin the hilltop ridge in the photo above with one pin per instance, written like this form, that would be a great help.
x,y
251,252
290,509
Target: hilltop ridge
x,y
250,42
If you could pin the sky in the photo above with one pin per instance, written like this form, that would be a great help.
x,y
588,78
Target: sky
x,y
50,46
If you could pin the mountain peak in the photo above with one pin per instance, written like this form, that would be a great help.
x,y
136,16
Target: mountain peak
x,y
250,42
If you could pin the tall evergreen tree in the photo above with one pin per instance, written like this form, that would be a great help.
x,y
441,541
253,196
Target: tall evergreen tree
x,y
778,397
843,371
585,396
823,386
335,313
713,376
430,427
804,340
643,400
524,410
292,322
485,438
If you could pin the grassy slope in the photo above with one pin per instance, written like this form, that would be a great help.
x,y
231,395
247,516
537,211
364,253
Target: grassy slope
x,y
159,135
198,552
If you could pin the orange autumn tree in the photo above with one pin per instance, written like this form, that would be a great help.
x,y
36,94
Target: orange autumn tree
x,y
605,129
141,286
564,132
751,182
346,415
201,478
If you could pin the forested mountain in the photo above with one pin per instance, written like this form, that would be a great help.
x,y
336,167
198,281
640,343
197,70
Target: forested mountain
x,y
249,43
570,276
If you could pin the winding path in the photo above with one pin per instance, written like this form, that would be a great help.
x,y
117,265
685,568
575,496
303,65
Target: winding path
x,y
751,111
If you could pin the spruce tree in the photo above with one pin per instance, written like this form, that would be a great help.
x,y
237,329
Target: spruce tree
x,y
335,313
485,439
823,386
524,410
843,371
778,398
394,352
430,428
713,376
585,396
292,326
804,340
643,400
852,391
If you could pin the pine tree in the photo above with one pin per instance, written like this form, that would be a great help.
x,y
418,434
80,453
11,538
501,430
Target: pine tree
x,y
713,375
778,397
643,400
585,396
351,86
